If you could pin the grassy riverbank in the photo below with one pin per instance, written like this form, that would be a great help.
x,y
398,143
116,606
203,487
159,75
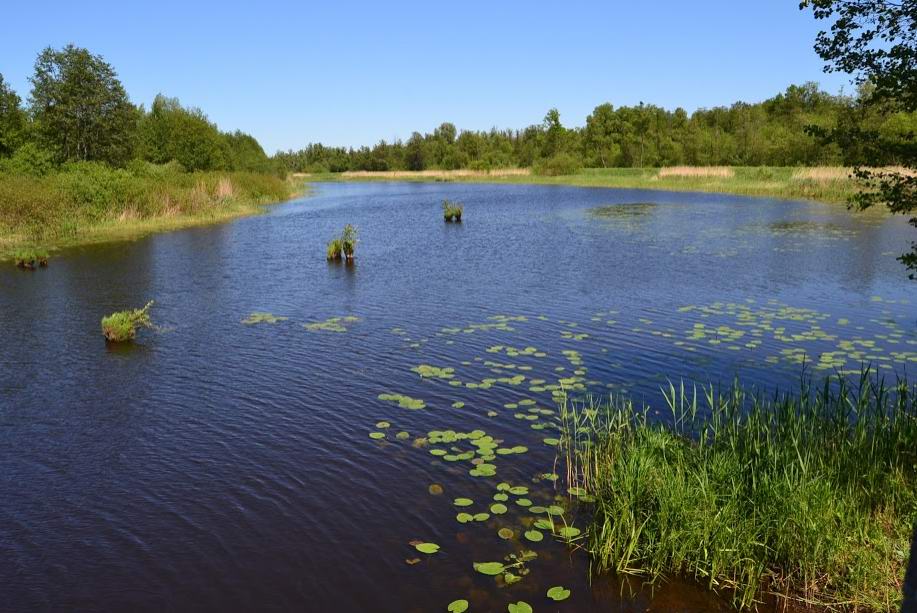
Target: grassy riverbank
x,y
811,497
824,184
90,202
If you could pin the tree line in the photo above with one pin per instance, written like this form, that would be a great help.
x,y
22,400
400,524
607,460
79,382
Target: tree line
x,y
79,111
781,131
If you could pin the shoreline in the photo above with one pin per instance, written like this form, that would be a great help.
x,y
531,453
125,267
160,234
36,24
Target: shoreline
x,y
129,228
829,185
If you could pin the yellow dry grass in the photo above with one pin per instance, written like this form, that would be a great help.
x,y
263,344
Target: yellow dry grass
x,y
841,173
436,174
720,172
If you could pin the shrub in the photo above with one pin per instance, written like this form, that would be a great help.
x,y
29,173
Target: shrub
x,y
559,164
122,326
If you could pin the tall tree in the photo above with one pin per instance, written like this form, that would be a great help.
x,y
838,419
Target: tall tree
x,y
876,42
12,120
80,108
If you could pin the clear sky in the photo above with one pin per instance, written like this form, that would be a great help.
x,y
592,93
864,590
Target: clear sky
x,y
354,73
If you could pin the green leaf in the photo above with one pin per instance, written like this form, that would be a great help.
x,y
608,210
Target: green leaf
x,y
534,535
457,606
489,568
463,502
519,607
498,508
558,593
427,547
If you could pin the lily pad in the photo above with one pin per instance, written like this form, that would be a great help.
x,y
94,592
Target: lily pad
x,y
534,535
519,607
505,533
489,568
498,508
428,548
463,502
558,593
457,606
376,435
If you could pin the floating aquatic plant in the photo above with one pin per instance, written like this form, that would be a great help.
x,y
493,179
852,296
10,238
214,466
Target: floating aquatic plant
x,y
558,593
457,606
332,324
259,317
428,548
405,402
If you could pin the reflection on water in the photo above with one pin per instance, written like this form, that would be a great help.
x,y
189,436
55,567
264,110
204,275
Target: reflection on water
x,y
288,462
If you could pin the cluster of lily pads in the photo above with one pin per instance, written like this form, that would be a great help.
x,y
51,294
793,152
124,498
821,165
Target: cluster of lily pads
x,y
332,324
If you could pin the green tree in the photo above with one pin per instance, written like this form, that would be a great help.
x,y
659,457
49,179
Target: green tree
x,y
80,108
12,120
876,42
414,156
172,132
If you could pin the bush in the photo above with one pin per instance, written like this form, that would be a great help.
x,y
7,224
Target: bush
x,y
122,326
30,160
560,164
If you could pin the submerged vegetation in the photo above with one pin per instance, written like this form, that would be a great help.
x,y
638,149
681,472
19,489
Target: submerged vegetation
x,y
121,326
809,497
343,246
452,211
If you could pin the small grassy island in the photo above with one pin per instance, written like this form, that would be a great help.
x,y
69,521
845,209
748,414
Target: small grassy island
x,y
121,326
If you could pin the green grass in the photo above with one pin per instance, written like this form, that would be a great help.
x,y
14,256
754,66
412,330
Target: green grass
x,y
87,202
121,326
764,181
809,497
30,257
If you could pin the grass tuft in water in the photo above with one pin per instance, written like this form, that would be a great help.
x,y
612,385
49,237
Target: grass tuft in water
x,y
810,497
343,246
452,211
30,258
121,326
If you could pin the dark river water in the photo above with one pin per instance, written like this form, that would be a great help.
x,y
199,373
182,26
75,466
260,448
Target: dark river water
x,y
221,466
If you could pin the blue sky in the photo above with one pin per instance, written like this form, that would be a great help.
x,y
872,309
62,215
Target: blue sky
x,y
354,73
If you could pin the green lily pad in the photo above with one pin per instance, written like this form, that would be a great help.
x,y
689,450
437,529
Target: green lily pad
x,y
498,508
523,502
505,533
383,425
464,518
489,568
457,606
558,593
463,502
501,497
569,532
428,548
534,535
519,490
376,435
519,607
481,516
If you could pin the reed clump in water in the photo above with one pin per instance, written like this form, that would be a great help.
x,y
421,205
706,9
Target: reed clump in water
x,y
452,211
809,497
121,326
343,246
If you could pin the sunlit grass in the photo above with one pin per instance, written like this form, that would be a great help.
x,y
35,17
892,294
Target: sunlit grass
x,y
808,496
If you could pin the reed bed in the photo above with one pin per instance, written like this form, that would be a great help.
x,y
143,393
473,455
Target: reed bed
x,y
841,173
719,172
436,174
807,497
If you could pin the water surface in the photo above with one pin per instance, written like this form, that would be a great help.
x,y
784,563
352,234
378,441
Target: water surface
x,y
219,466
